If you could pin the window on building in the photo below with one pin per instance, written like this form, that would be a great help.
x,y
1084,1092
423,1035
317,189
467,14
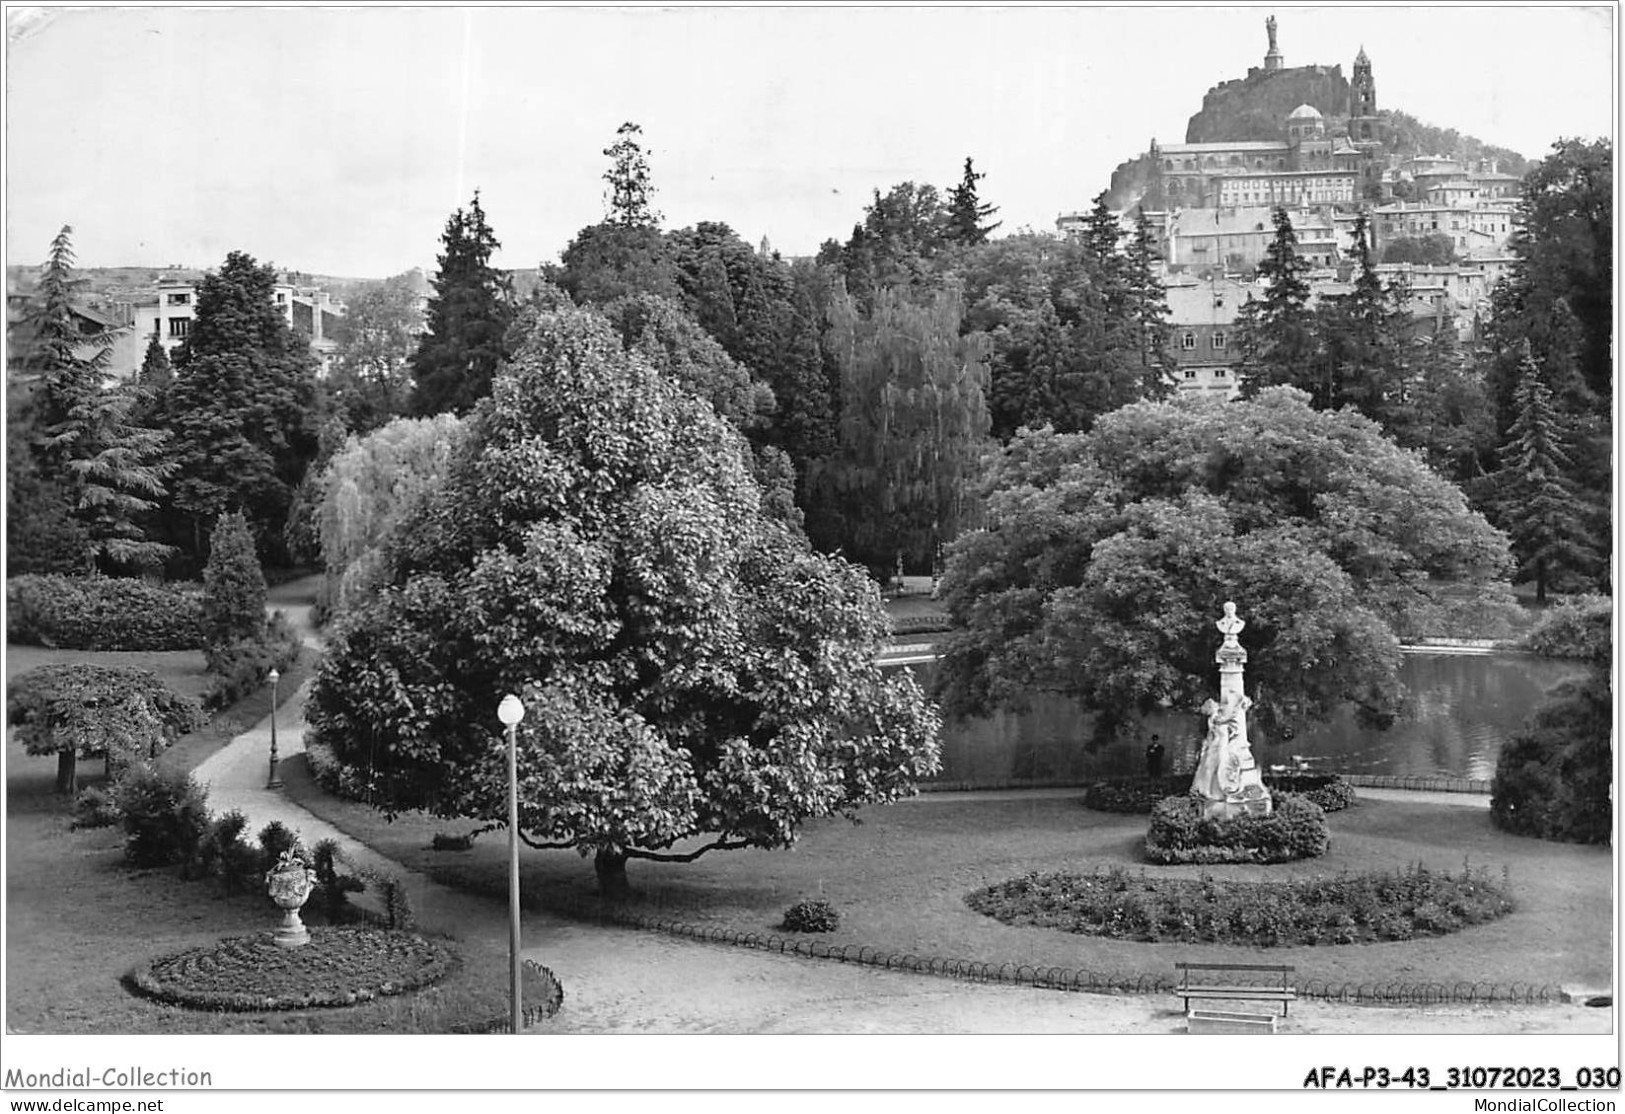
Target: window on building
x,y
1190,373
281,299
157,325
180,299
1219,373
1188,342
178,326
1218,341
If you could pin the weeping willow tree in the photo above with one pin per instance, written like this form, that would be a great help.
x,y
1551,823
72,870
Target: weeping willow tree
x,y
369,486
914,425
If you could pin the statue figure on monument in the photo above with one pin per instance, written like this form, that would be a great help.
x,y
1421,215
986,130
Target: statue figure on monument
x,y
1269,26
1226,776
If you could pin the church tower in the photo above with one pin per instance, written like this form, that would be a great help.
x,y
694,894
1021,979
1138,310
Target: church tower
x,y
1365,126
1362,100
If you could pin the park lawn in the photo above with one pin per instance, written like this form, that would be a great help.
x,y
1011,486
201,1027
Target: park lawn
x,y
78,919
899,880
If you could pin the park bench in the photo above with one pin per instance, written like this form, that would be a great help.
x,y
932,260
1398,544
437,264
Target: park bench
x,y
1252,982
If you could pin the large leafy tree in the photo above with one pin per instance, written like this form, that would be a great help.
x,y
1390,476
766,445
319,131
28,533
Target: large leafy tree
x,y
469,314
1108,556
371,379
913,427
369,486
1535,496
694,678
241,408
109,469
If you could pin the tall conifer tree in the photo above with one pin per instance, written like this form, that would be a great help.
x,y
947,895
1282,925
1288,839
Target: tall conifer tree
x,y
469,315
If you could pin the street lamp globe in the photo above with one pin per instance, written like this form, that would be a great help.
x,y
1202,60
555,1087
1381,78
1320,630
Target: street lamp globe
x,y
511,710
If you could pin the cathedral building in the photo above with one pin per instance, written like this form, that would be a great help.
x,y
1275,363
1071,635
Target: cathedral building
x,y
1312,160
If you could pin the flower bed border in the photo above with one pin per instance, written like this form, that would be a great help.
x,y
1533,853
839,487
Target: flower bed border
x,y
444,960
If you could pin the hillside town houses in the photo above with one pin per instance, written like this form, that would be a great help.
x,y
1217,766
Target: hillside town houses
x,y
164,307
1210,207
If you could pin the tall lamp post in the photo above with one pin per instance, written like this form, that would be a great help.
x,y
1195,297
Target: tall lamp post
x,y
510,712
274,781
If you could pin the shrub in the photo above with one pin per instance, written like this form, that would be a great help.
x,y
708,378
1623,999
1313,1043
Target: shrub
x,y
165,815
103,613
332,775
95,808
1179,833
333,888
1579,628
238,862
233,584
445,841
1554,777
240,668
275,840
76,710
816,915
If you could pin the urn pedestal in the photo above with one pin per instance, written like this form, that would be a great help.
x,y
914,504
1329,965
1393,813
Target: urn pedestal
x,y
289,883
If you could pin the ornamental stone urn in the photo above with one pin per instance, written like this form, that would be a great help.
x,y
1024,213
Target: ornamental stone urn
x,y
289,883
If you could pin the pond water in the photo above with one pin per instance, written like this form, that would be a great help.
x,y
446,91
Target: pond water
x,y
1459,711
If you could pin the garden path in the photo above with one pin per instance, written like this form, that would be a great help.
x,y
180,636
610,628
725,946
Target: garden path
x,y
621,980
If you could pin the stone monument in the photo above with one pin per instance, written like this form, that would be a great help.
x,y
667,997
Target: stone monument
x,y
1227,778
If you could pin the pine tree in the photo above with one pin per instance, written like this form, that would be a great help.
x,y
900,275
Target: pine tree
x,y
233,585
1362,342
1148,307
1540,506
1278,338
966,212
631,187
469,316
109,469
241,408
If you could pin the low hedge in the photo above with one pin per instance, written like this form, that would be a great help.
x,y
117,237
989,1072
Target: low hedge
x,y
1296,829
103,613
1141,794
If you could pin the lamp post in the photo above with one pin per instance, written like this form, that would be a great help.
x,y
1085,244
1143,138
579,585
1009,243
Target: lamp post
x,y
510,712
273,782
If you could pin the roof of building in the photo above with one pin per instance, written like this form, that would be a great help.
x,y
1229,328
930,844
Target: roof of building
x,y
1215,148
1211,302
1305,112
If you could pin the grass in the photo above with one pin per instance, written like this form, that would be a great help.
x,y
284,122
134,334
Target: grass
x,y
899,881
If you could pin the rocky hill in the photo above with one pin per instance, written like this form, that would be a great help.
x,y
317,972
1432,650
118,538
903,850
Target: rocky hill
x,y
1254,106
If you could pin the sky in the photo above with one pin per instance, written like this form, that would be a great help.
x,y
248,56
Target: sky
x,y
338,141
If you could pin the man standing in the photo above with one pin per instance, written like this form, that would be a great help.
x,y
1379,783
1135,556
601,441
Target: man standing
x,y
1153,757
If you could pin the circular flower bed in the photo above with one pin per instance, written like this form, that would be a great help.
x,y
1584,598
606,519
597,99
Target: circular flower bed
x,y
339,967
1141,794
1347,909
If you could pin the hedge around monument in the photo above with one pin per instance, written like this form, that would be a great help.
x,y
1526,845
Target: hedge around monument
x,y
1295,829
1141,794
